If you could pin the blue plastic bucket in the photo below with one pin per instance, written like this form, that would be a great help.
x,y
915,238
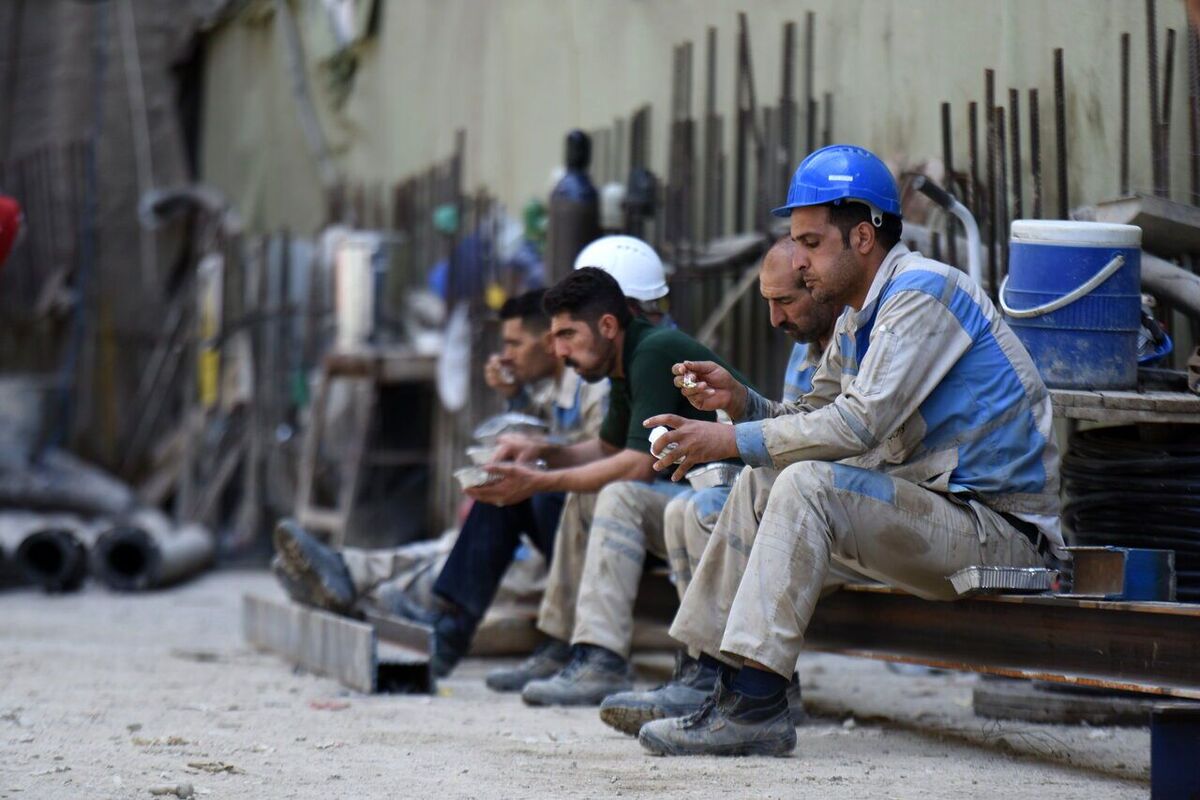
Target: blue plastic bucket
x,y
1073,297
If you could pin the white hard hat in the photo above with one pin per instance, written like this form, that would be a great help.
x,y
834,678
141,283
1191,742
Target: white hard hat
x,y
632,262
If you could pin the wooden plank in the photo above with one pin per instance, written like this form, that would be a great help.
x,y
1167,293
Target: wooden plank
x,y
322,643
1168,228
1126,406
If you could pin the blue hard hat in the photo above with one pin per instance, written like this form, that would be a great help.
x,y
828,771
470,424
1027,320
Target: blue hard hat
x,y
842,172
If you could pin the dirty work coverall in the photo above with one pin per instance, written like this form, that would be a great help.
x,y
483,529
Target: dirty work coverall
x,y
942,427
603,538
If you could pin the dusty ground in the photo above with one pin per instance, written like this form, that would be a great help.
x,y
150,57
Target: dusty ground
x,y
110,696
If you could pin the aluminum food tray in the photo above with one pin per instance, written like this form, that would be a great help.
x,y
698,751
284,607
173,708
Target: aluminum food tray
x,y
711,475
997,580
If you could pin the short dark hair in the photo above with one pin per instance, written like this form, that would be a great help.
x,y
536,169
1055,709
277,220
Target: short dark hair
x,y
527,307
848,215
588,294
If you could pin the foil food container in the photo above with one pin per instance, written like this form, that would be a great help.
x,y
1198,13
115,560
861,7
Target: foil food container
x,y
712,475
480,453
1002,580
470,477
510,422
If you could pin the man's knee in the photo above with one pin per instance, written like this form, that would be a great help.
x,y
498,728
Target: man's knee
x,y
805,479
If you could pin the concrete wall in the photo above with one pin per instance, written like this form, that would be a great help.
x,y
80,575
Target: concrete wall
x,y
518,73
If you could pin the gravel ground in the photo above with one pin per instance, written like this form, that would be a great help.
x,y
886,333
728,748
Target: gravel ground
x,y
122,696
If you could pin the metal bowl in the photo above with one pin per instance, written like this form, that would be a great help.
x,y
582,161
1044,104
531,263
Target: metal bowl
x,y
709,476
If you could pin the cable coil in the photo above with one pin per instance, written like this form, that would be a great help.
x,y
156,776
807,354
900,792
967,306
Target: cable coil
x,y
1126,492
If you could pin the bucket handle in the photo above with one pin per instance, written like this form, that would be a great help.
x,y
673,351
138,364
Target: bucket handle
x,y
1092,283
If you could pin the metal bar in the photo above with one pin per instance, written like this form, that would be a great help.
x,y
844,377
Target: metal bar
x,y
787,101
1060,132
1152,77
827,134
948,162
973,156
739,139
1124,158
989,102
1035,153
1142,647
1164,141
809,61
1001,201
1193,50
1014,121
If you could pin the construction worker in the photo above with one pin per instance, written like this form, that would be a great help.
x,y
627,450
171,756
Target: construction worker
x,y
596,333
690,516
534,379
925,446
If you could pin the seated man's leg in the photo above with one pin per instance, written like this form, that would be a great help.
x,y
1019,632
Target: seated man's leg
x,y
472,573
313,573
817,514
565,550
626,524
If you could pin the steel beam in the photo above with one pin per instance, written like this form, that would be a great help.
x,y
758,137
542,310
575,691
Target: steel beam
x,y
1140,647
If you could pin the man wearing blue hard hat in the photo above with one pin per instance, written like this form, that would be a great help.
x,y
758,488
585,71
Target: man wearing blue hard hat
x,y
925,446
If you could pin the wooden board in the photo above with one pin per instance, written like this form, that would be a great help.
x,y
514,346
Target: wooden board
x,y
1127,406
322,643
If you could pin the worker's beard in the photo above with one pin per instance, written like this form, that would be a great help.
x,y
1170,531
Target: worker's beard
x,y
603,365
836,286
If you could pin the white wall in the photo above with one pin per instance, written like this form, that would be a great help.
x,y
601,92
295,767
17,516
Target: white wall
x,y
517,74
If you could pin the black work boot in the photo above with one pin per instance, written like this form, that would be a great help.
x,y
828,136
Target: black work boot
x,y
592,674
452,627
689,687
550,656
727,724
316,574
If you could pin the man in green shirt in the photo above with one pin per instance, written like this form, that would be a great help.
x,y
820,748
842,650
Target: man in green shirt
x,y
613,488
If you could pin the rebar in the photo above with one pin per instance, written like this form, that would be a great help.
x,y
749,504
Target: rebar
x,y
1124,157
1014,121
1060,132
1035,154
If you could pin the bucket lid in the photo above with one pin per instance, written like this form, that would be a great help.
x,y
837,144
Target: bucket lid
x,y
1067,231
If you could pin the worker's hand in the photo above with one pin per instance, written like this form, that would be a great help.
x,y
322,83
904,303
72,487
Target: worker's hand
x,y
514,483
709,387
499,377
518,447
699,443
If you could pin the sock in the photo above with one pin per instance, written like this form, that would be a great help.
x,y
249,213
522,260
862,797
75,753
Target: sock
x,y
759,683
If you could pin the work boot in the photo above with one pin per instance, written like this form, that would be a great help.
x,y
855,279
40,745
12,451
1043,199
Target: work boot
x,y
795,702
689,687
727,724
316,573
592,674
452,627
550,656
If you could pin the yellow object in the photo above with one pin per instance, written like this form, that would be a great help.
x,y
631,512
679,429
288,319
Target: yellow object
x,y
494,295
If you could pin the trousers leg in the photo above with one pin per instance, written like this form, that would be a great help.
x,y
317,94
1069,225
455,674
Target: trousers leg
x,y
483,552
556,616
688,523
627,523
895,531
369,568
700,622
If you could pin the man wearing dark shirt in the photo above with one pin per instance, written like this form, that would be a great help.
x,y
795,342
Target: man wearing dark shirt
x,y
595,334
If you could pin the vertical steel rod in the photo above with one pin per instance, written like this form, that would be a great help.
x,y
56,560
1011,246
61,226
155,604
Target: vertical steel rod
x,y
1164,137
948,162
810,102
1014,121
1060,132
1035,153
1152,79
1124,157
989,79
973,156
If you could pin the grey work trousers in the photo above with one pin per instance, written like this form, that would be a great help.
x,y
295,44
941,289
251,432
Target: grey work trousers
x,y
770,554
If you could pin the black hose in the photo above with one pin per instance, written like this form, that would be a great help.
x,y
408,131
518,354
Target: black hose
x,y
1127,492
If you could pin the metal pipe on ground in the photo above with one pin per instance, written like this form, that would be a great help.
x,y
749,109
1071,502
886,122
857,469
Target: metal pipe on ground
x,y
47,550
61,482
148,552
